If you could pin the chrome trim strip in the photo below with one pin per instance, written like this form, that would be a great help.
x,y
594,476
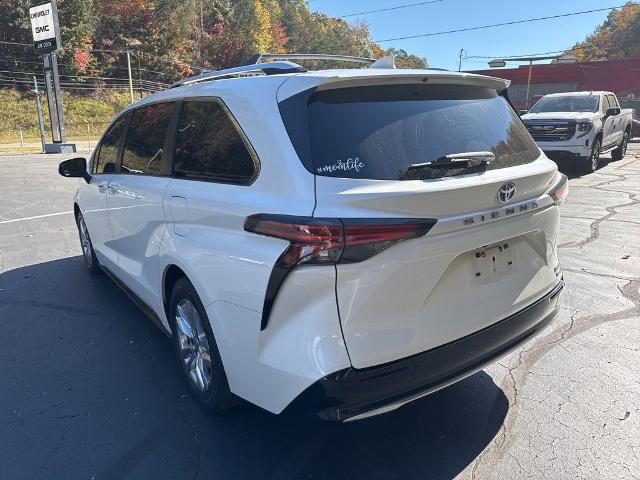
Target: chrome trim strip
x,y
484,217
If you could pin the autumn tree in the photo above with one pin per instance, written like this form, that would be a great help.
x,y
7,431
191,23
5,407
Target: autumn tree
x,y
617,38
172,37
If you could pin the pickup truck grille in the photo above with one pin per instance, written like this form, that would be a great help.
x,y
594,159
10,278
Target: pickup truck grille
x,y
551,131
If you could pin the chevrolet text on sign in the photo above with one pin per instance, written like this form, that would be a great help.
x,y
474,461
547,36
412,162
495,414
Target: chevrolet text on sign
x,y
43,28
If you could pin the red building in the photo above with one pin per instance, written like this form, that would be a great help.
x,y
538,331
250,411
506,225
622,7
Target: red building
x,y
619,76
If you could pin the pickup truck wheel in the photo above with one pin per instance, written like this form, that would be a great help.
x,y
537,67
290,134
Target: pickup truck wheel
x,y
621,151
88,254
196,348
592,162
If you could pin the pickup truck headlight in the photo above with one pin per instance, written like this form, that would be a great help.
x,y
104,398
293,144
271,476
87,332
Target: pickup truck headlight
x,y
584,128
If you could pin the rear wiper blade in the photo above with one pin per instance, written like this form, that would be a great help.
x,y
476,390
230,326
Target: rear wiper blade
x,y
455,159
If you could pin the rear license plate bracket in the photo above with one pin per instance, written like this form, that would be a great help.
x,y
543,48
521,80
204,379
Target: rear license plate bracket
x,y
492,263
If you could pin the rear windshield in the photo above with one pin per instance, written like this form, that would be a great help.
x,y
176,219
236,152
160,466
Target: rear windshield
x,y
569,103
378,132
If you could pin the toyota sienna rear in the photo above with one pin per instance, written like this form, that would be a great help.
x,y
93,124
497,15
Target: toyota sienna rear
x,y
337,241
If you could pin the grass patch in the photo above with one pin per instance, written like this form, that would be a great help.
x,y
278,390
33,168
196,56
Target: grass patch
x,y
80,110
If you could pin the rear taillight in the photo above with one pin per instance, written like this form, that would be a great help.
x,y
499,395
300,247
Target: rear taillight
x,y
312,240
317,241
560,189
320,241
365,238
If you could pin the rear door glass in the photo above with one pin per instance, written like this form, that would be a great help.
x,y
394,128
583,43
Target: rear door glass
x,y
378,132
209,146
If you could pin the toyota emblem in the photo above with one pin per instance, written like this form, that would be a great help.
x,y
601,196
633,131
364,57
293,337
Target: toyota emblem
x,y
506,192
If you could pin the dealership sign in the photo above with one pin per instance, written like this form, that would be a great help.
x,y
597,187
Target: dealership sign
x,y
44,27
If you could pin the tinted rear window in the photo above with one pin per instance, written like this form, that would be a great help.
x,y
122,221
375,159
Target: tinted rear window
x,y
209,146
377,132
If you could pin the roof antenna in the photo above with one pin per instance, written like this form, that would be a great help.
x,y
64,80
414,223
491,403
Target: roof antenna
x,y
384,62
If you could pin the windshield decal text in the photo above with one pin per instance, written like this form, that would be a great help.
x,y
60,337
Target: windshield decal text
x,y
348,165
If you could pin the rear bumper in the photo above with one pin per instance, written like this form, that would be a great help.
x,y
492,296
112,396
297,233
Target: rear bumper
x,y
352,394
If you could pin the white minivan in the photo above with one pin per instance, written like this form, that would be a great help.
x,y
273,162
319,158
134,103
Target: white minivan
x,y
338,241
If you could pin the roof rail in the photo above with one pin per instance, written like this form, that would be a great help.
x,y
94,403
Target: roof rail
x,y
271,68
261,57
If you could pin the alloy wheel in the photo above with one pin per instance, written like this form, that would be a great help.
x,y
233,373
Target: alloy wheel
x,y
625,144
193,344
595,157
85,241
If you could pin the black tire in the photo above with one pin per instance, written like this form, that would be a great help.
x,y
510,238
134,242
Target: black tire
x,y
216,395
88,254
592,162
621,151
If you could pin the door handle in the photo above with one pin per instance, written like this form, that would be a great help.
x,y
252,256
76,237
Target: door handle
x,y
102,187
113,188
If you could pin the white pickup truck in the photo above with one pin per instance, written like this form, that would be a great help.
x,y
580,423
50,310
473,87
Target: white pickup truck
x,y
580,126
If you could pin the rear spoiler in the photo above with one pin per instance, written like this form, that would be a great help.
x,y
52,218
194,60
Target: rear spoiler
x,y
330,79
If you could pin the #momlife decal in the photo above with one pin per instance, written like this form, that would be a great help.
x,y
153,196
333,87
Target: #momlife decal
x,y
348,165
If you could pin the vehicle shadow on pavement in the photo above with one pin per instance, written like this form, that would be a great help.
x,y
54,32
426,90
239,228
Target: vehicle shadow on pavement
x,y
92,389
575,171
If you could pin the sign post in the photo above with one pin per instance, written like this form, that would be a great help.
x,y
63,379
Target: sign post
x,y
46,41
36,93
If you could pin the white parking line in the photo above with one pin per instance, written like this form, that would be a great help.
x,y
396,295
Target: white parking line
x,y
34,218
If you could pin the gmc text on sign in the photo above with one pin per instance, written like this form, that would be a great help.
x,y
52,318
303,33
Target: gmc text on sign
x,y
43,28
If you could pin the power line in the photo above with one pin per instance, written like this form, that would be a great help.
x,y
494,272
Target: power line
x,y
14,60
81,77
162,59
481,27
15,43
398,7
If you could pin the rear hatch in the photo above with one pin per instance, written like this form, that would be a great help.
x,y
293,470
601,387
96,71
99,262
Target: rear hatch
x,y
457,154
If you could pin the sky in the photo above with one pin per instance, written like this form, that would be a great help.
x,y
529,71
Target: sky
x,y
443,50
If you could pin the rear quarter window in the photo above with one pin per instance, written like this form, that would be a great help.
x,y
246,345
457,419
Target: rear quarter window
x,y
210,146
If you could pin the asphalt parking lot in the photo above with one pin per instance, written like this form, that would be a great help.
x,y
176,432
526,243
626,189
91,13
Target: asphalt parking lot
x,y
89,387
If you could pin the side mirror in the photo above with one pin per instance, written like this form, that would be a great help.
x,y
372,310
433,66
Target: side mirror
x,y
613,111
522,112
75,167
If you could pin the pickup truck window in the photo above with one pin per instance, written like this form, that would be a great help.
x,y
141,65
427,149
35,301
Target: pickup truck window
x,y
569,103
613,101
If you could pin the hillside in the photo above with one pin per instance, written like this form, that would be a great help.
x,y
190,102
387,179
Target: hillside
x,y
19,114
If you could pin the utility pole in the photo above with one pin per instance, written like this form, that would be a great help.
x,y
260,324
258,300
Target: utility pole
x,y
526,100
130,79
139,76
131,43
36,92
462,53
